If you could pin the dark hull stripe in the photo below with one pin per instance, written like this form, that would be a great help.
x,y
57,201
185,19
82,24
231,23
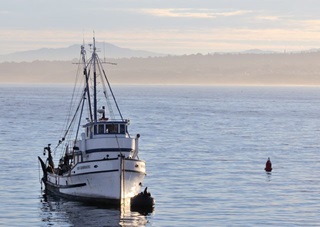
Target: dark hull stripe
x,y
67,186
105,160
109,159
105,171
87,173
102,160
109,150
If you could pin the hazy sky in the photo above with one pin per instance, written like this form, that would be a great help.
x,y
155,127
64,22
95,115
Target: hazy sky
x,y
165,26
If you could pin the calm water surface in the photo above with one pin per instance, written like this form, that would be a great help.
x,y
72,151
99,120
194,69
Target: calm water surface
x,y
205,149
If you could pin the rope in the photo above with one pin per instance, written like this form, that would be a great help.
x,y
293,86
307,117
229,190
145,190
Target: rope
x,y
39,172
118,144
40,180
112,116
114,98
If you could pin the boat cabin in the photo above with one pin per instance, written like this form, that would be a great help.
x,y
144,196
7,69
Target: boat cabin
x,y
106,128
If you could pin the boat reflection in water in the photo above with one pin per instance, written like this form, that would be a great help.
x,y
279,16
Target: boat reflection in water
x,y
57,211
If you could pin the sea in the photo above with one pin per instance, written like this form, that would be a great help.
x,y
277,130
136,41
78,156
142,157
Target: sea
x,y
205,149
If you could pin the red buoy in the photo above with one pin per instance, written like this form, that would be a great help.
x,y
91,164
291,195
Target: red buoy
x,y
268,166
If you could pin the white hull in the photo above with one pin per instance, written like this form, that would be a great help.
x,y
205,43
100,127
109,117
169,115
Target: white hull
x,y
103,181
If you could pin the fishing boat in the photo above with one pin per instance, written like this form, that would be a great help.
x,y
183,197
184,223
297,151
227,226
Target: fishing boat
x,y
101,163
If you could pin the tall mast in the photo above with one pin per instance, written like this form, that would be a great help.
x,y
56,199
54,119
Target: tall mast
x,y
94,81
87,90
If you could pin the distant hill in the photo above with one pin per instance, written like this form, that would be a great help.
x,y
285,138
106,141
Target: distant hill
x,y
258,51
68,53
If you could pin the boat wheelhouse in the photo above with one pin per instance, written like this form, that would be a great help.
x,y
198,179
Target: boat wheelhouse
x,y
101,164
106,139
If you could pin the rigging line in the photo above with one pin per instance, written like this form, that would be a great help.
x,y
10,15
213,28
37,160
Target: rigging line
x,y
112,116
118,144
74,116
39,173
83,101
86,72
94,56
65,134
87,75
68,116
115,101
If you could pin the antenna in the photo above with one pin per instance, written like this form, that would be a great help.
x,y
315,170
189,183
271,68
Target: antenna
x,y
83,35
104,51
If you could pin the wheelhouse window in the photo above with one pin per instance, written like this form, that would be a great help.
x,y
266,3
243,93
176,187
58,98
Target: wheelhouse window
x,y
109,129
88,131
112,128
122,129
101,129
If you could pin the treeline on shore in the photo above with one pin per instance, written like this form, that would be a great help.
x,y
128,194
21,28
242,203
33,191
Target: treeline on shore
x,y
211,69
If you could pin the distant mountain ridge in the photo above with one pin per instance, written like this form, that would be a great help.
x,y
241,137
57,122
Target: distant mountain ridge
x,y
107,50
258,51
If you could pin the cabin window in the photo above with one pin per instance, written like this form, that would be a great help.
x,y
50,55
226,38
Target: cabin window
x,y
101,129
108,129
91,132
122,129
112,129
